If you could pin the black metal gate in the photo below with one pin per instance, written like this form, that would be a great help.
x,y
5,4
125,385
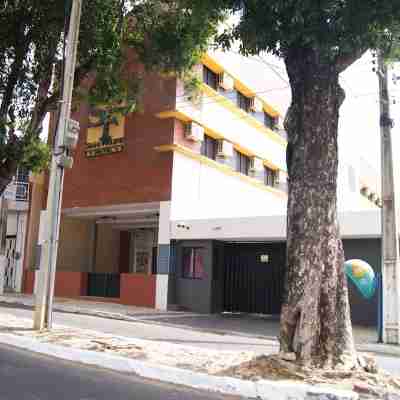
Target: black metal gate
x,y
253,277
103,285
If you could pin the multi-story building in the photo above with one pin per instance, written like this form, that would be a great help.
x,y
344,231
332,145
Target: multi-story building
x,y
180,205
17,204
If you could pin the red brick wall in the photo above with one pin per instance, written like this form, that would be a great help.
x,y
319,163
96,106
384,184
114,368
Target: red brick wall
x,y
29,281
68,284
138,173
138,290
71,284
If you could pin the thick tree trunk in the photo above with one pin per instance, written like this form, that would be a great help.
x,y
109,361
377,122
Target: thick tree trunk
x,y
315,320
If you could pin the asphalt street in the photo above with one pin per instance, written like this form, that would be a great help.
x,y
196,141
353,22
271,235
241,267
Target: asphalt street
x,y
28,376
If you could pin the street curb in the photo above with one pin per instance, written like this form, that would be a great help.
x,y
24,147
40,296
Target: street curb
x,y
263,389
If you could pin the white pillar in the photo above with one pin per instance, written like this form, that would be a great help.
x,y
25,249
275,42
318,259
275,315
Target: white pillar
x,y
163,259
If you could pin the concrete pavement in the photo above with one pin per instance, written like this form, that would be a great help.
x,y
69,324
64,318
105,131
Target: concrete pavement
x,y
170,334
148,331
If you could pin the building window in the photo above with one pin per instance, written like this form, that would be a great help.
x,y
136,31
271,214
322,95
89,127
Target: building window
x,y
269,176
193,263
269,121
210,77
22,175
242,162
244,102
209,147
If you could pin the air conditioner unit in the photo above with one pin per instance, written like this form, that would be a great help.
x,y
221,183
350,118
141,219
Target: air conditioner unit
x,y
225,148
257,105
194,132
225,81
256,164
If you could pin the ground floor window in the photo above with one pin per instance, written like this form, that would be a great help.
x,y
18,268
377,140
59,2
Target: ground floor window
x,y
193,263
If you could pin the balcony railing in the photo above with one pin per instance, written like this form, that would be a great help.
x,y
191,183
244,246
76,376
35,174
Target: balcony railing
x,y
17,191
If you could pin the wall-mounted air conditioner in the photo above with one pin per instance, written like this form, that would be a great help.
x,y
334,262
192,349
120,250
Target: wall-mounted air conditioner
x,y
225,148
194,132
256,164
257,105
226,82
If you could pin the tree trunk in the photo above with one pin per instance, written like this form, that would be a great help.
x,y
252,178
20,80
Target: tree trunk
x,y
315,320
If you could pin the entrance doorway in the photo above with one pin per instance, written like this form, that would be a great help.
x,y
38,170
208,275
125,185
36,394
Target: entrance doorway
x,y
253,277
12,256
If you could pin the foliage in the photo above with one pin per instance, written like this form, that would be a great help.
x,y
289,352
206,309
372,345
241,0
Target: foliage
x,y
166,35
339,30
36,156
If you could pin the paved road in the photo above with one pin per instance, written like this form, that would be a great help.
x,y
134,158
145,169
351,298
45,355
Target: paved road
x,y
27,376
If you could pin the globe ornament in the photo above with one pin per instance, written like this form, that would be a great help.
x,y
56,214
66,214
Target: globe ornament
x,y
362,275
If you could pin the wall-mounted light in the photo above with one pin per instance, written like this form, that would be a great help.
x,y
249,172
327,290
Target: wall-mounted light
x,y
182,226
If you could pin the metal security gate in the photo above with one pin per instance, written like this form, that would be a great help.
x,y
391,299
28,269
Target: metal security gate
x,y
10,275
253,277
103,285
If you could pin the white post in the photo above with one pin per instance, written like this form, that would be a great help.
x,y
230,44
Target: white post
x,y
390,234
44,297
163,259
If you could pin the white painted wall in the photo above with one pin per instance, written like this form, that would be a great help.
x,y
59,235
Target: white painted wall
x,y
201,191
236,129
349,196
362,224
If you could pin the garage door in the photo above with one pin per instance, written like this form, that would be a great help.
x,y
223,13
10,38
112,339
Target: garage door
x,y
253,277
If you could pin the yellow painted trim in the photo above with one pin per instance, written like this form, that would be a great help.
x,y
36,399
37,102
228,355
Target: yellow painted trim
x,y
209,62
216,135
228,104
269,164
174,114
221,167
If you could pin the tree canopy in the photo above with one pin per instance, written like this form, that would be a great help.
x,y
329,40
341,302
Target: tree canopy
x,y
166,35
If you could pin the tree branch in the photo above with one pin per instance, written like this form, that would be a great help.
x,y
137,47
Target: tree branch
x,y
345,60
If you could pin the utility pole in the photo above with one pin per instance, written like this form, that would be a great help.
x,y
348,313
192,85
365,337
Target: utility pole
x,y
390,234
65,139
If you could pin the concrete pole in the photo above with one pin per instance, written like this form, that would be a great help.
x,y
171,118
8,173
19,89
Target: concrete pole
x,y
390,234
44,296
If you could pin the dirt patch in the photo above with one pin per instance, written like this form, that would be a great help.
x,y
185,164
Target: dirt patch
x,y
369,382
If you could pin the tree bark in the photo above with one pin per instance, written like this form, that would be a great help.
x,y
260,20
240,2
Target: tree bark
x,y
315,319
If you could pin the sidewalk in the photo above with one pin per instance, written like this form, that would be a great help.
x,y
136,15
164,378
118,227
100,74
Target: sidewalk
x,y
127,339
261,327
